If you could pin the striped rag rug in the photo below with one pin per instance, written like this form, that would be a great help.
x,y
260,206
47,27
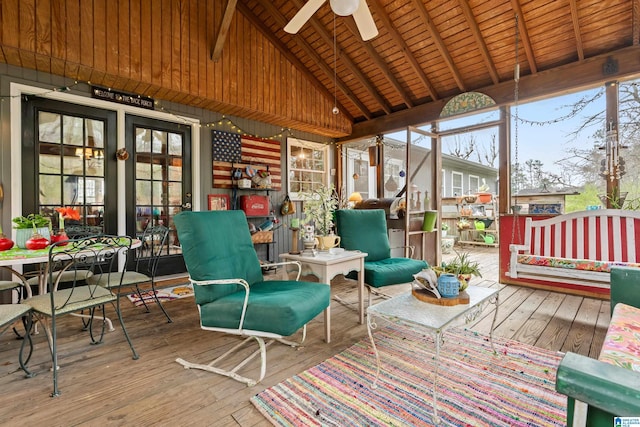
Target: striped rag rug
x,y
515,387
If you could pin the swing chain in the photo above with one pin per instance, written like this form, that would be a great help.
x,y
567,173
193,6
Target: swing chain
x,y
516,93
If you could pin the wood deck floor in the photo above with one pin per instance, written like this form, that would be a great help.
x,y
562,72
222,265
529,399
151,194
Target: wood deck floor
x,y
102,385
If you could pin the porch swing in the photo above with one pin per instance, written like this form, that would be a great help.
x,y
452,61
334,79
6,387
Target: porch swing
x,y
571,251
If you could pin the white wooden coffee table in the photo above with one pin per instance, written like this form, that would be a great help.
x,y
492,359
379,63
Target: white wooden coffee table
x,y
325,266
435,318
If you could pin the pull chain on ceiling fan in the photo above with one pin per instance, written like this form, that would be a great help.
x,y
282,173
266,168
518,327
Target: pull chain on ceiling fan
x,y
358,8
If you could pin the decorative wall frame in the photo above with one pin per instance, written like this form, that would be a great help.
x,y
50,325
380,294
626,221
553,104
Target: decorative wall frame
x,y
218,202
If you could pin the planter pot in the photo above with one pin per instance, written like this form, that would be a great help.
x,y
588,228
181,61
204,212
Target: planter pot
x,y
484,198
327,242
448,285
429,222
24,234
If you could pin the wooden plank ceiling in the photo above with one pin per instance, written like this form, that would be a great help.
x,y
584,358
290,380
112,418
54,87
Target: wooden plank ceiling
x,y
233,57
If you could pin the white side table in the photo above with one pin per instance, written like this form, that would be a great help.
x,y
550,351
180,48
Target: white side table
x,y
325,266
436,318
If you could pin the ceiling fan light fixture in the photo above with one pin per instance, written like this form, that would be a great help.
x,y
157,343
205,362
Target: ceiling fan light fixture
x,y
344,7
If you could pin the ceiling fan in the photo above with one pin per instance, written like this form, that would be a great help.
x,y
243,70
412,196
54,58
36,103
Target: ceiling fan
x,y
358,8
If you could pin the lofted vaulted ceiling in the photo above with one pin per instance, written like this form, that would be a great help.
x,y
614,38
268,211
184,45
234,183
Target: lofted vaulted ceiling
x,y
233,56
430,50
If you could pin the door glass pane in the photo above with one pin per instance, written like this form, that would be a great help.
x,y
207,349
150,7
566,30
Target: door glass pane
x,y
49,189
175,193
72,130
175,144
49,127
143,140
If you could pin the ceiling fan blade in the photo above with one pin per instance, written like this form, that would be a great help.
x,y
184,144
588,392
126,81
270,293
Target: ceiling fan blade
x,y
364,21
303,15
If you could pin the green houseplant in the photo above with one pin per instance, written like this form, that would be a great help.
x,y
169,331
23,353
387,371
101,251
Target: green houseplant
x,y
319,207
27,226
462,266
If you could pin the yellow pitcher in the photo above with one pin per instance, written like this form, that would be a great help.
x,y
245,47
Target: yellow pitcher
x,y
324,243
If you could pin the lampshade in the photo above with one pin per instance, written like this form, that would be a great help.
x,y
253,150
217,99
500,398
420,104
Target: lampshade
x,y
355,197
344,7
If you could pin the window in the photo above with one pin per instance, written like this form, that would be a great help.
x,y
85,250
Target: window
x,y
308,166
456,184
474,183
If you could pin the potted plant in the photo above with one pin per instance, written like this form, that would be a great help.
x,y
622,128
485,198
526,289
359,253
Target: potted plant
x,y
462,266
27,226
444,227
319,207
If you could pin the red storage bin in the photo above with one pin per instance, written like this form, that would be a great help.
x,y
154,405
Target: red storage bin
x,y
254,205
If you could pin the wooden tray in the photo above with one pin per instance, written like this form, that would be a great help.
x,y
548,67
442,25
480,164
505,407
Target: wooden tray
x,y
426,296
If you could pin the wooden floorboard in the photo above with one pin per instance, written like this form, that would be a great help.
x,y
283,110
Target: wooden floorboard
x,y
103,385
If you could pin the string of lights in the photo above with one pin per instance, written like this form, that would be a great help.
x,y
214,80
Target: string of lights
x,y
223,123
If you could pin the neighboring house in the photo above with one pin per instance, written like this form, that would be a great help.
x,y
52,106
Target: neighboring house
x,y
461,176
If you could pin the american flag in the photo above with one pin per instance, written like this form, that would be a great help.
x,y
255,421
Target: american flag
x,y
234,151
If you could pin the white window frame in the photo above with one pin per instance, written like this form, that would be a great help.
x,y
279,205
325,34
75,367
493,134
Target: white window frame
x,y
314,146
471,187
457,191
444,187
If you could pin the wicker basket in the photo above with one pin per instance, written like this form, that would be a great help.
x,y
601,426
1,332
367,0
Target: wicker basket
x,y
262,237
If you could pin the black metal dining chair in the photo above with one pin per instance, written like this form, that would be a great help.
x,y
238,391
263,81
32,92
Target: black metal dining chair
x,y
145,265
12,314
100,254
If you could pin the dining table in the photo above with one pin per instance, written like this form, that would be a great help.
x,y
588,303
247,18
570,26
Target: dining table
x,y
14,257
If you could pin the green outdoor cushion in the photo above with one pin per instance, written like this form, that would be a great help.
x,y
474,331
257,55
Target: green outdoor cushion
x,y
625,286
217,245
392,271
280,307
364,230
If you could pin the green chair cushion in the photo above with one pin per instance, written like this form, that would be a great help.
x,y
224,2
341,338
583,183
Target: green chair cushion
x,y
364,230
392,271
229,255
276,306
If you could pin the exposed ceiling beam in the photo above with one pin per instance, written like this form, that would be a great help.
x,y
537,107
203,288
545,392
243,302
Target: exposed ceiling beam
x,y
524,36
545,84
437,40
281,21
477,36
375,57
216,51
402,45
576,28
248,14
321,31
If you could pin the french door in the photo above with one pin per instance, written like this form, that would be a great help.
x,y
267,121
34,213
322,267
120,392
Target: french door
x,y
64,163
158,177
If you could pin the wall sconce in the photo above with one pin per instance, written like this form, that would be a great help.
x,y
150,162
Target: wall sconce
x,y
373,155
122,154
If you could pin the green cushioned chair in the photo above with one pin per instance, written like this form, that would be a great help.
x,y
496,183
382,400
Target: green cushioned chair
x,y
230,292
606,391
366,230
